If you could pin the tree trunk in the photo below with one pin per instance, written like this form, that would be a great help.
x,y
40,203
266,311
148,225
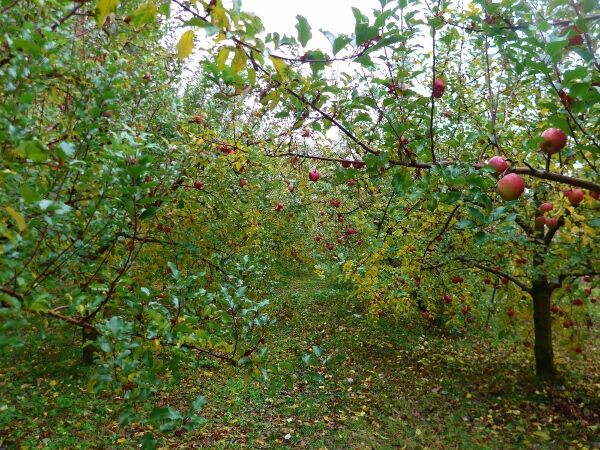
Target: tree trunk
x,y
542,321
87,351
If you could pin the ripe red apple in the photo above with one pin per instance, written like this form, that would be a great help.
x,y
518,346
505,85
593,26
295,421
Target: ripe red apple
x,y
329,246
511,186
359,242
318,238
198,119
243,182
578,350
162,295
439,87
457,279
198,184
466,310
279,206
305,132
540,221
553,141
351,183
358,164
546,206
551,222
568,323
577,302
425,315
575,196
587,278
350,231
404,140
447,298
555,309
498,163
291,188
588,290
346,164
335,203
522,261
314,175
594,195
486,281
340,218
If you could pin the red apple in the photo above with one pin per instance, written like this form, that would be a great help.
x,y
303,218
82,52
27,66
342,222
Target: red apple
x,y
486,281
279,206
457,279
466,310
575,40
498,163
358,164
346,164
594,195
162,295
351,183
318,238
545,207
335,203
553,141
329,246
243,183
578,350
198,184
350,231
586,278
447,298
555,309
575,196
313,175
305,132
568,323
540,221
439,87
425,315
551,222
511,186
198,119
577,302
404,140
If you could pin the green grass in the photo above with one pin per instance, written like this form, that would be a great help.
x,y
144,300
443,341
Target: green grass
x,y
396,385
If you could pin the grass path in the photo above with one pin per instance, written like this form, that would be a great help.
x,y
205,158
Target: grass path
x,y
390,386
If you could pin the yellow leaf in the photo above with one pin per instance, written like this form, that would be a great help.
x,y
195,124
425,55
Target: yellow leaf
x,y
185,46
104,8
18,217
222,57
239,60
280,66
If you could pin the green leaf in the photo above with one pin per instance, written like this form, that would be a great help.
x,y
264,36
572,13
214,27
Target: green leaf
x,y
185,46
340,42
32,150
199,403
304,30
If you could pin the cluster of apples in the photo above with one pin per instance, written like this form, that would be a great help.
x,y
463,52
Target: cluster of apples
x,y
511,186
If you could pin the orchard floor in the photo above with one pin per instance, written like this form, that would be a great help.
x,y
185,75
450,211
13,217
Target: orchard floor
x,y
393,387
